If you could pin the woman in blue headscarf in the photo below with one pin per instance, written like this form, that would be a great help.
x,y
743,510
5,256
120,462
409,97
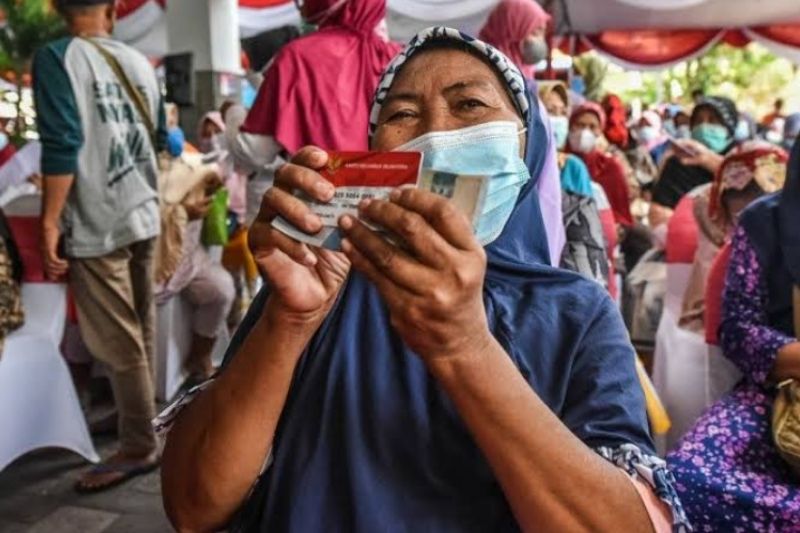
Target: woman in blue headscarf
x,y
455,383
730,474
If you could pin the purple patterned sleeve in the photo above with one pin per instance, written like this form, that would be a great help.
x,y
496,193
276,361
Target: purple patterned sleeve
x,y
745,335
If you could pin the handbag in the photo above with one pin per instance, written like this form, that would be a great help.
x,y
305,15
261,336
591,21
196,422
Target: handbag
x,y
786,409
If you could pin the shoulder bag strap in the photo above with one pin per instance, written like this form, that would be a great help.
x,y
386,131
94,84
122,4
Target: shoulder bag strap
x,y
136,97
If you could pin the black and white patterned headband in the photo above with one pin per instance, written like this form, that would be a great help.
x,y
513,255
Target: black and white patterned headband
x,y
514,79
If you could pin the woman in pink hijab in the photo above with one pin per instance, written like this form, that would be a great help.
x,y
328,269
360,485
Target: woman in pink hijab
x,y
517,28
318,88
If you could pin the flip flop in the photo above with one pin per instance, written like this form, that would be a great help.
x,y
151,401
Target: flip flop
x,y
128,471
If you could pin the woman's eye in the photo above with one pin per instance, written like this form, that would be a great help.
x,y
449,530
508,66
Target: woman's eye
x,y
470,104
400,115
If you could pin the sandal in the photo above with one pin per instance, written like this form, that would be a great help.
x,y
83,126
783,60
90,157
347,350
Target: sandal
x,y
126,471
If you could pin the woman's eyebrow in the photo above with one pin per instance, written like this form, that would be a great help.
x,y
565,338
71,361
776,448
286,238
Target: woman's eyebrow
x,y
406,96
468,84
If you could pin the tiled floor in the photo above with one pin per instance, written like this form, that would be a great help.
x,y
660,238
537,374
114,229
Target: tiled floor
x,y
36,496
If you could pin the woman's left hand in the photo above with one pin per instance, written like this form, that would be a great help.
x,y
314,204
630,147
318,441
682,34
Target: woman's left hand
x,y
434,285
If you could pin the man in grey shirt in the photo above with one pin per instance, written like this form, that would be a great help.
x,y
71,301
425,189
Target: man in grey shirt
x,y
99,160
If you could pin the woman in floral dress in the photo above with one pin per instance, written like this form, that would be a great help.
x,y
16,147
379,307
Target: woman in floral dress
x,y
730,476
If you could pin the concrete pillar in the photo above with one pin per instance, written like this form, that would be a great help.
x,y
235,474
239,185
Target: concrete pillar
x,y
209,29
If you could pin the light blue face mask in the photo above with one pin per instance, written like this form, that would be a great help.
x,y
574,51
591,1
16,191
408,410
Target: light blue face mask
x,y
3,141
490,149
560,127
714,136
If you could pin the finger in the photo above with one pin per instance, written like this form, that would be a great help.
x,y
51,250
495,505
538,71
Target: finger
x,y
279,202
311,157
264,243
292,177
425,243
388,289
385,257
440,213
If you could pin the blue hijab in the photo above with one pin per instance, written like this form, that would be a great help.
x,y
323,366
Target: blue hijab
x,y
368,441
773,225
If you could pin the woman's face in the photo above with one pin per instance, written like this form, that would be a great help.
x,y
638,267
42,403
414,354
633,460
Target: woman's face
x,y
210,129
705,115
441,90
555,106
587,120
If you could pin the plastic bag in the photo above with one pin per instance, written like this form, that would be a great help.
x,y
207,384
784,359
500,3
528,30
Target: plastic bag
x,y
215,225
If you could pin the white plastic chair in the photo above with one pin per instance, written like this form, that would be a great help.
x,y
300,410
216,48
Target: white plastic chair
x,y
38,403
681,362
174,339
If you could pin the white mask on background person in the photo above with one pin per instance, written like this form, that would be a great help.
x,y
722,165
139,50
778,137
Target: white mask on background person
x,y
683,132
534,50
648,134
3,140
582,141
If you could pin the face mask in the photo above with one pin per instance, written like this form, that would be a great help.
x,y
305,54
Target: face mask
x,y
669,126
534,51
490,149
658,236
582,141
648,134
683,132
175,141
560,127
714,136
3,141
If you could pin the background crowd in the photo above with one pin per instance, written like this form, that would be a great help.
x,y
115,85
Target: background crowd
x,y
624,194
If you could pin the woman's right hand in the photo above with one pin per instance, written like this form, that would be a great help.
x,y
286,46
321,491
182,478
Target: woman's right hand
x,y
304,280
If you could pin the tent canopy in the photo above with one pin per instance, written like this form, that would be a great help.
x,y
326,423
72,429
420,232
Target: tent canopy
x,y
634,33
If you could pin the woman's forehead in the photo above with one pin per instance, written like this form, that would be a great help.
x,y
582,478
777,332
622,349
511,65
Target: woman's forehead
x,y
444,68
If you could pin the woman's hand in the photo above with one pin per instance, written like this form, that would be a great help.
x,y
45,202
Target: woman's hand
x,y
303,279
693,153
433,286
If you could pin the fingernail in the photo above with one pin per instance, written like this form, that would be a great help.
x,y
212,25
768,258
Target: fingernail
x,y
346,222
324,189
395,195
319,156
347,246
310,259
364,203
311,220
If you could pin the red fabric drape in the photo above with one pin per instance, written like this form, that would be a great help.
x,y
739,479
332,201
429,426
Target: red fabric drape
x,y
788,34
652,47
260,4
126,7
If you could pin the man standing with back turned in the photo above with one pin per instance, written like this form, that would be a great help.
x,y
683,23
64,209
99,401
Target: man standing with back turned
x,y
101,122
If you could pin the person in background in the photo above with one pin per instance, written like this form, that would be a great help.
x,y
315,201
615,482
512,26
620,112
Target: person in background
x,y
586,126
488,393
100,195
652,136
748,172
683,125
184,267
695,161
616,127
746,129
210,132
791,130
585,250
776,114
517,28
730,475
